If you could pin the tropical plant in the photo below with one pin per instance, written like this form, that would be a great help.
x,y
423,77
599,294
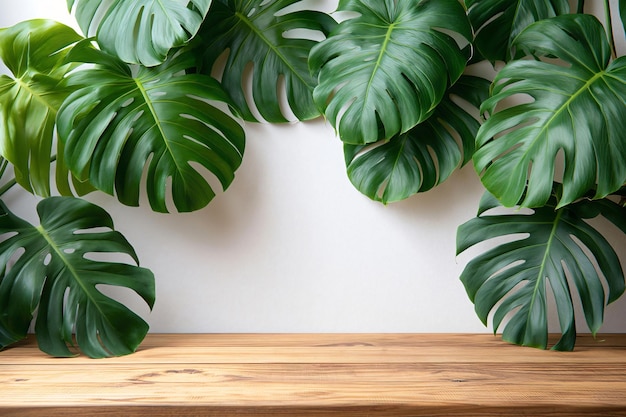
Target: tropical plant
x,y
390,82
157,86
137,96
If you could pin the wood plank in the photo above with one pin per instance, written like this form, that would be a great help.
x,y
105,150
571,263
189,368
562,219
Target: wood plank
x,y
333,348
320,374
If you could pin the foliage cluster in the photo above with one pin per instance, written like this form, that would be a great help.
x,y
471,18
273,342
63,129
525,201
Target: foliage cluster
x,y
156,90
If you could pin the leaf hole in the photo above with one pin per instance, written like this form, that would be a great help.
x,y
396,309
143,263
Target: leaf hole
x,y
247,80
283,101
219,65
308,34
125,296
136,117
6,236
455,36
99,229
343,15
214,181
128,102
110,257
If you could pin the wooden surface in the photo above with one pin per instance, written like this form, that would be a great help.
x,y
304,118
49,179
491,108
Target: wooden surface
x,y
320,375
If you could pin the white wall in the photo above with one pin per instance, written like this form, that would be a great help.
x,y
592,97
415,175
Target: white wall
x,y
293,247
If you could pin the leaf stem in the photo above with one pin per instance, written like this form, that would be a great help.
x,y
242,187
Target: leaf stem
x,y
3,167
10,183
609,27
581,7
6,187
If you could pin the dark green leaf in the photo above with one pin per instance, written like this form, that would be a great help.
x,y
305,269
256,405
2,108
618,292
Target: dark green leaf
x,y
547,251
385,71
116,123
49,269
140,31
498,22
255,35
34,51
426,155
577,110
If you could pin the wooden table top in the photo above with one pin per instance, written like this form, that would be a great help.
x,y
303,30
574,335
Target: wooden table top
x,y
320,375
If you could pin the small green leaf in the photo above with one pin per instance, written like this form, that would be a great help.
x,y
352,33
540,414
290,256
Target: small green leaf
x,y
49,269
255,35
576,109
35,51
116,123
385,71
426,155
140,31
547,251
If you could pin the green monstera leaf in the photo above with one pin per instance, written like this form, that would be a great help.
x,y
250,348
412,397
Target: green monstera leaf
x,y
264,35
426,155
51,269
140,31
498,22
35,51
576,109
117,122
385,71
550,250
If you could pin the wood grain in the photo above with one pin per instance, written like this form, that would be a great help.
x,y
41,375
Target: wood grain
x,y
320,375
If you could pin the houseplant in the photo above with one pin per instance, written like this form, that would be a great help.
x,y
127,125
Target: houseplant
x,y
130,99
574,87
140,95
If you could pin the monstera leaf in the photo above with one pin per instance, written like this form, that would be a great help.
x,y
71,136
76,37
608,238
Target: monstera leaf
x,y
426,155
34,51
385,71
557,249
576,109
498,22
140,31
256,33
50,269
116,123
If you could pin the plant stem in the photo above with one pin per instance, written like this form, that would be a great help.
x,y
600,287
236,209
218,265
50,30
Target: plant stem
x,y
609,27
3,166
581,7
6,187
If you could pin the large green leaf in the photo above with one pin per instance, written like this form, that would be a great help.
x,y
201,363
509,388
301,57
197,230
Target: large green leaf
x,y
34,51
578,110
498,22
51,269
140,31
426,155
255,33
385,71
118,122
549,250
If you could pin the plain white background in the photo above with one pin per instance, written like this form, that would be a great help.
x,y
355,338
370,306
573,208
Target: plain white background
x,y
293,247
